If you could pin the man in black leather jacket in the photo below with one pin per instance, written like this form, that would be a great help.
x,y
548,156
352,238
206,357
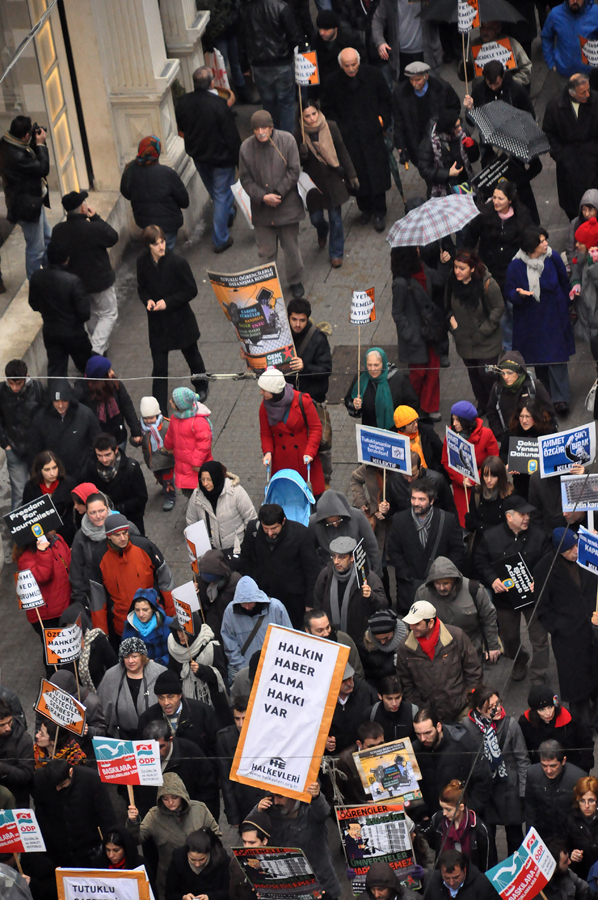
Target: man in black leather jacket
x,y
20,399
271,32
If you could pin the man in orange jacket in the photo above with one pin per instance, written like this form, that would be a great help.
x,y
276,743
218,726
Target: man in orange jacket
x,y
123,563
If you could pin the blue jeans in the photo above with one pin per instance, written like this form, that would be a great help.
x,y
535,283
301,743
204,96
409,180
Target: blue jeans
x,y
323,4
230,52
37,237
276,87
506,323
170,239
218,182
336,243
18,473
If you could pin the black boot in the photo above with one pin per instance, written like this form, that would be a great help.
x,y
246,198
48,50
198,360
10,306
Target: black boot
x,y
201,386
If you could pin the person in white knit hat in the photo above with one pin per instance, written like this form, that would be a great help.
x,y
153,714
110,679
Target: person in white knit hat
x,y
290,429
157,458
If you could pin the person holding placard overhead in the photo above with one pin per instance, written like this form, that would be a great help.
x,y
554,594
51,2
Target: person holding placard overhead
x,y
465,421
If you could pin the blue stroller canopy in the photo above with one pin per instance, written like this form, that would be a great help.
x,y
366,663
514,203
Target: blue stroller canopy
x,y
289,490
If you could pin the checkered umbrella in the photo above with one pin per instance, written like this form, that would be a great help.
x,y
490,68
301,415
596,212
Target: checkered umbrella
x,y
490,11
513,130
433,220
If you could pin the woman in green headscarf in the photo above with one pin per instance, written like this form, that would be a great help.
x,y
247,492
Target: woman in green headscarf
x,y
378,391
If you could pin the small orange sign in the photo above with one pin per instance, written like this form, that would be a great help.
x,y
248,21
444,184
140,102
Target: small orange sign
x,y
58,706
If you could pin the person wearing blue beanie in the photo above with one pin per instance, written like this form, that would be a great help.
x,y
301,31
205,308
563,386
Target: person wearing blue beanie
x,y
563,539
465,421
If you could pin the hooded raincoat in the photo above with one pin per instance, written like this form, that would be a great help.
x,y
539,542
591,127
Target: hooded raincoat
x,y
154,633
354,524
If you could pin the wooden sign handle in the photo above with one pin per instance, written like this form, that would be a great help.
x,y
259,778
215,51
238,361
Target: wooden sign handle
x,y
131,795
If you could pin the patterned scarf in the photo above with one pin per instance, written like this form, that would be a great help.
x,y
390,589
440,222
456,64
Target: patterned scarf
x,y
423,525
438,141
156,441
492,750
202,652
107,409
71,751
148,151
84,676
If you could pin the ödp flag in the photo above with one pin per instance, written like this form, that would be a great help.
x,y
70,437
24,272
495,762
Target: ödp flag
x,y
290,709
19,832
526,872
128,762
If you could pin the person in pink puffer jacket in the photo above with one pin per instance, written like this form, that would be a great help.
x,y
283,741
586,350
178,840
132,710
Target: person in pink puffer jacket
x,y
189,436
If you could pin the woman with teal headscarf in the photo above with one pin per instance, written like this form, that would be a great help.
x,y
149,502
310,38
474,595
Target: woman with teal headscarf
x,y
380,392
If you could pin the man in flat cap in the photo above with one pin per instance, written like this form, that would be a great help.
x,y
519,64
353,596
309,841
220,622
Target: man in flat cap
x,y
337,591
269,168
415,102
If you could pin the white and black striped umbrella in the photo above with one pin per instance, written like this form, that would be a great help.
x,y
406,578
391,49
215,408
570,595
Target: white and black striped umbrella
x,y
511,129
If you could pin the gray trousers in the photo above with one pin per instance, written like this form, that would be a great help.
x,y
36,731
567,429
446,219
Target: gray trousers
x,y
509,623
268,237
104,313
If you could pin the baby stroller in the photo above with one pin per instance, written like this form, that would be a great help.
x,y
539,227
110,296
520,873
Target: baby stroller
x,y
289,490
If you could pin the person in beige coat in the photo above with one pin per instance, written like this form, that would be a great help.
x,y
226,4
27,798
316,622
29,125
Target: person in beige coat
x,y
169,823
224,506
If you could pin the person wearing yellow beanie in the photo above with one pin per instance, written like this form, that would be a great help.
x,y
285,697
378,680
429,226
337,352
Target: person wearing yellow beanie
x,y
407,422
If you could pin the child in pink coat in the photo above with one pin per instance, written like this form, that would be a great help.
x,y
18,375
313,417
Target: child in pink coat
x,y
189,436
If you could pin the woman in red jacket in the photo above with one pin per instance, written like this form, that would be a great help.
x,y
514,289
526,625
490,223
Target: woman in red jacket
x,y
290,429
189,436
464,418
48,559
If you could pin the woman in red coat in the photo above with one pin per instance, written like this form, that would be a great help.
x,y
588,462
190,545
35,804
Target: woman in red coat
x,y
290,434
465,420
48,559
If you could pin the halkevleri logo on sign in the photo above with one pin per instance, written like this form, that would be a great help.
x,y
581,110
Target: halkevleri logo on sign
x,y
526,872
128,762
19,832
62,645
28,592
292,702
560,452
60,707
378,447
461,455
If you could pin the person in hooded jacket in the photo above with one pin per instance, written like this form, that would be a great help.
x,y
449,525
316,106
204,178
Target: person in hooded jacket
x,y
200,663
147,620
199,869
224,506
514,383
582,827
21,397
95,723
378,646
465,421
462,602
381,876
588,208
547,720
246,621
67,428
567,602
109,400
189,437
169,823
49,479
335,518
215,585
97,654
127,689
584,284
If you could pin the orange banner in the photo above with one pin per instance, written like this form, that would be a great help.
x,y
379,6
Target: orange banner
x,y
500,50
58,706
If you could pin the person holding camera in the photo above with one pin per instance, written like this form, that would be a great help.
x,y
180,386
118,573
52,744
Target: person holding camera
x,y
24,166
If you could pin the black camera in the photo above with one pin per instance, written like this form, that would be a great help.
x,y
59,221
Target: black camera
x,y
35,130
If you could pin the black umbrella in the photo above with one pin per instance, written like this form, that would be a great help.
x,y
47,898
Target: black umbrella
x,y
511,129
489,10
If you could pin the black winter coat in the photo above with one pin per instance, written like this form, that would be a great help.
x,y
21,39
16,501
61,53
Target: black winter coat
x,y
209,130
70,818
397,487
197,723
328,51
212,881
503,403
157,195
412,114
571,734
116,424
317,364
22,173
195,771
565,610
215,563
127,490
411,561
61,299
478,834
582,834
396,725
286,570
355,105
62,500
500,543
171,280
359,608
328,180
548,800
574,147
413,308
16,763
70,438
436,174
509,92
350,715
270,32
88,241
475,887
545,495
401,390
498,238
239,799
16,415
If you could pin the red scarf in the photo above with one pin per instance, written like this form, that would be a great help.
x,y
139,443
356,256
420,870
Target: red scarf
x,y
453,835
49,490
119,865
428,644
420,277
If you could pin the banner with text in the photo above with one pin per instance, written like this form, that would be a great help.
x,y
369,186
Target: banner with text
x,y
587,550
389,771
589,51
500,50
560,452
375,834
278,873
526,872
517,579
523,455
88,884
292,702
128,762
186,602
253,303
363,307
468,16
461,455
378,447
62,645
579,492
306,68
198,542
28,592
60,707
30,521
19,832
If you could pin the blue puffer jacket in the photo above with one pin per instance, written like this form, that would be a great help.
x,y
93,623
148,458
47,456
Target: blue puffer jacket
x,y
560,37
156,639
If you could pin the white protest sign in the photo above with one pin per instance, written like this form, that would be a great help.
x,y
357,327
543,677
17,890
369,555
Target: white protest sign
x,y
28,592
523,875
589,51
186,602
198,542
363,307
461,455
467,14
493,50
128,762
19,832
306,68
62,645
291,706
87,884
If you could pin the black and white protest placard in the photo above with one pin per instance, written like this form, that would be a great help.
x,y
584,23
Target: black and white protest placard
x,y
523,455
32,520
360,561
517,579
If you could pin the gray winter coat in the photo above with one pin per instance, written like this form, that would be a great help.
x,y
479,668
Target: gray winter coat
x,y
385,29
478,335
505,806
354,524
476,618
234,510
272,168
121,714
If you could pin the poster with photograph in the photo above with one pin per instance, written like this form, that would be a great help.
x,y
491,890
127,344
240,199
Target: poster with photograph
x,y
372,834
389,770
278,873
